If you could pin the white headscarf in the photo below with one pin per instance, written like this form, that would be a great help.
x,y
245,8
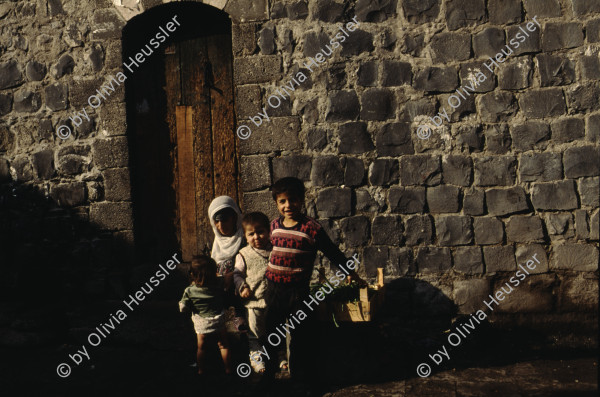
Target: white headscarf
x,y
225,247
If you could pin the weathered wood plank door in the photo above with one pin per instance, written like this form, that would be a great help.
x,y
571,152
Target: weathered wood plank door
x,y
195,130
199,87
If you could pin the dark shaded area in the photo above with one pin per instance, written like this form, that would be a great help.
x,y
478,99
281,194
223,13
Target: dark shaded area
x,y
55,248
85,279
196,20
150,352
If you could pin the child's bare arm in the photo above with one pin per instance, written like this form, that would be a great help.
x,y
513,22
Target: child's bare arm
x,y
329,248
184,303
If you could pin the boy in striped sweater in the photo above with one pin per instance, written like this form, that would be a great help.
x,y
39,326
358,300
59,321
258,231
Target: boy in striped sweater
x,y
295,238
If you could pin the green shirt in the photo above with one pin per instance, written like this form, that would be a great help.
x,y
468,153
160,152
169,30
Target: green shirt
x,y
204,301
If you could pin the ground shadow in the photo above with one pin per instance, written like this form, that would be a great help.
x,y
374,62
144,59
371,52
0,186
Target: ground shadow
x,y
416,322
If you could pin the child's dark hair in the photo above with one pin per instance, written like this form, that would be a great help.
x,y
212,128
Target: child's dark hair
x,y
256,218
203,270
290,185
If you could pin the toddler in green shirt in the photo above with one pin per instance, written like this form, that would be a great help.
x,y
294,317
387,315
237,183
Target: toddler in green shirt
x,y
204,299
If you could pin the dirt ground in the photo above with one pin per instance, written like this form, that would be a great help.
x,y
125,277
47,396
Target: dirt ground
x,y
149,354
138,372
577,377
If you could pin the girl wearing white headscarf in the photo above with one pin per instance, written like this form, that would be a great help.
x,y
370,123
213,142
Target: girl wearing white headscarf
x,y
226,220
229,234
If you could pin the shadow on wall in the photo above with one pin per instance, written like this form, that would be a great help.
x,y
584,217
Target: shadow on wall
x,y
57,245
54,261
415,313
415,322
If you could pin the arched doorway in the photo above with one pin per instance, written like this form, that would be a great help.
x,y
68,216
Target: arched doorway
x,y
181,127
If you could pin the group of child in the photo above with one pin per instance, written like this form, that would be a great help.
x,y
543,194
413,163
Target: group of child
x,y
267,266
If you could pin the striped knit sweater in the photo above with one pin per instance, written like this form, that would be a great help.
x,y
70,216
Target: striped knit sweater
x,y
295,249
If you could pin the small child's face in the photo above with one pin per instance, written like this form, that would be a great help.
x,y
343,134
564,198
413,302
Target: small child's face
x,y
289,207
257,236
227,226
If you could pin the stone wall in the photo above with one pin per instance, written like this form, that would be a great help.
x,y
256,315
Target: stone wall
x,y
511,172
514,172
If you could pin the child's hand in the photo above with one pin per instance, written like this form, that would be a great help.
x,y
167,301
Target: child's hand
x,y
183,308
245,293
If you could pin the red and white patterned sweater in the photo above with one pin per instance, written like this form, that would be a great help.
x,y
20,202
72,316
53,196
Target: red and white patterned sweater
x,y
295,249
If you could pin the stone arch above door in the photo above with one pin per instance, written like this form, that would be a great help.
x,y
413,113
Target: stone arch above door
x,y
239,10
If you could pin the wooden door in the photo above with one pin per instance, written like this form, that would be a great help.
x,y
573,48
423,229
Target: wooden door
x,y
199,86
185,142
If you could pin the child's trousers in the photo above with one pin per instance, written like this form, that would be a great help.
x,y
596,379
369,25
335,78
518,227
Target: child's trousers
x,y
285,300
257,329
